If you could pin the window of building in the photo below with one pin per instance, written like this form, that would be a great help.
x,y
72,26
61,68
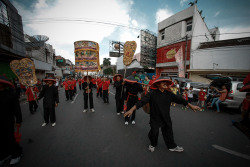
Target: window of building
x,y
189,24
162,34
4,19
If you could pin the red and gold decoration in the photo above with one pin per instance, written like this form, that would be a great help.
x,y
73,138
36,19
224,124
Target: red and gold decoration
x,y
86,56
25,71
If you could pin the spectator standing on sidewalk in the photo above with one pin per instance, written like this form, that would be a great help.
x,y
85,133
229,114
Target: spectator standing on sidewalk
x,y
202,98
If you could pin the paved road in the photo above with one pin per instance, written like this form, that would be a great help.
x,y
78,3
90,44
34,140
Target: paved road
x,y
102,139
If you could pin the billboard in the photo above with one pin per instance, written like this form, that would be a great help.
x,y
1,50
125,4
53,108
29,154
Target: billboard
x,y
116,48
86,56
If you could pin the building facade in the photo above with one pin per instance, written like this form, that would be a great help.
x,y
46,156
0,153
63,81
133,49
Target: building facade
x,y
12,44
178,36
225,57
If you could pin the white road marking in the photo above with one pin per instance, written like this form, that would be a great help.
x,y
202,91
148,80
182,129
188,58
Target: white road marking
x,y
111,93
74,99
232,152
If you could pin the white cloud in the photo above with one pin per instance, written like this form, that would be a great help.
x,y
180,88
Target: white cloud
x,y
239,32
162,14
216,14
182,2
63,34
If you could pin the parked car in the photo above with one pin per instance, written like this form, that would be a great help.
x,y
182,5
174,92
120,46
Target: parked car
x,y
235,97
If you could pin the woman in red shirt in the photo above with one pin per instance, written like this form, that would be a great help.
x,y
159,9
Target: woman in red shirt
x,y
217,101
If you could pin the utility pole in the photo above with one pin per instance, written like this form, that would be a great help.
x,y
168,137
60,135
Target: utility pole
x,y
185,58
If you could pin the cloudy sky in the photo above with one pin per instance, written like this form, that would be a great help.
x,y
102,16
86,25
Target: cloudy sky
x,y
66,21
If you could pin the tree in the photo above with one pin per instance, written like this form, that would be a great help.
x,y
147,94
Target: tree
x,y
106,62
108,71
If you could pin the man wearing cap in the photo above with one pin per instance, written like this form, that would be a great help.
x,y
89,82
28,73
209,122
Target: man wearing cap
x,y
132,89
10,116
31,93
87,94
159,101
118,83
50,101
105,90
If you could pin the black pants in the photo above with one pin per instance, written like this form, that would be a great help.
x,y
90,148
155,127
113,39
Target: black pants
x,y
105,96
8,143
32,106
119,103
131,102
86,96
167,133
80,86
190,100
74,89
49,114
99,92
67,94
71,92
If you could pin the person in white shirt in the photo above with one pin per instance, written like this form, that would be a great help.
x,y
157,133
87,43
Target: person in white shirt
x,y
190,94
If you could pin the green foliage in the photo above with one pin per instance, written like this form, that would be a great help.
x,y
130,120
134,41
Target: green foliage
x,y
106,62
108,71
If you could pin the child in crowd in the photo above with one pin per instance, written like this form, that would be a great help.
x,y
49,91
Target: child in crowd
x,y
185,97
202,98
190,94
174,90
160,101
105,90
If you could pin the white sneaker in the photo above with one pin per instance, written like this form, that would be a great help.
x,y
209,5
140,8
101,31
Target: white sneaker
x,y
126,123
54,124
151,148
93,110
177,149
44,124
133,122
122,112
4,160
118,113
15,160
84,110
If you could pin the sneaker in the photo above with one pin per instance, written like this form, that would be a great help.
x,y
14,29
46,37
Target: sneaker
x,y
133,122
122,112
93,110
126,123
118,113
54,124
84,110
44,124
177,149
15,160
4,160
151,148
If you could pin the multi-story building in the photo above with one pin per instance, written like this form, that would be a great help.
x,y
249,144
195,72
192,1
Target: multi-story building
x,y
12,44
42,54
225,57
178,36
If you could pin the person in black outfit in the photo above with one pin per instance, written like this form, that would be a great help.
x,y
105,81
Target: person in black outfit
x,y
10,116
160,101
87,94
132,89
50,101
118,83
